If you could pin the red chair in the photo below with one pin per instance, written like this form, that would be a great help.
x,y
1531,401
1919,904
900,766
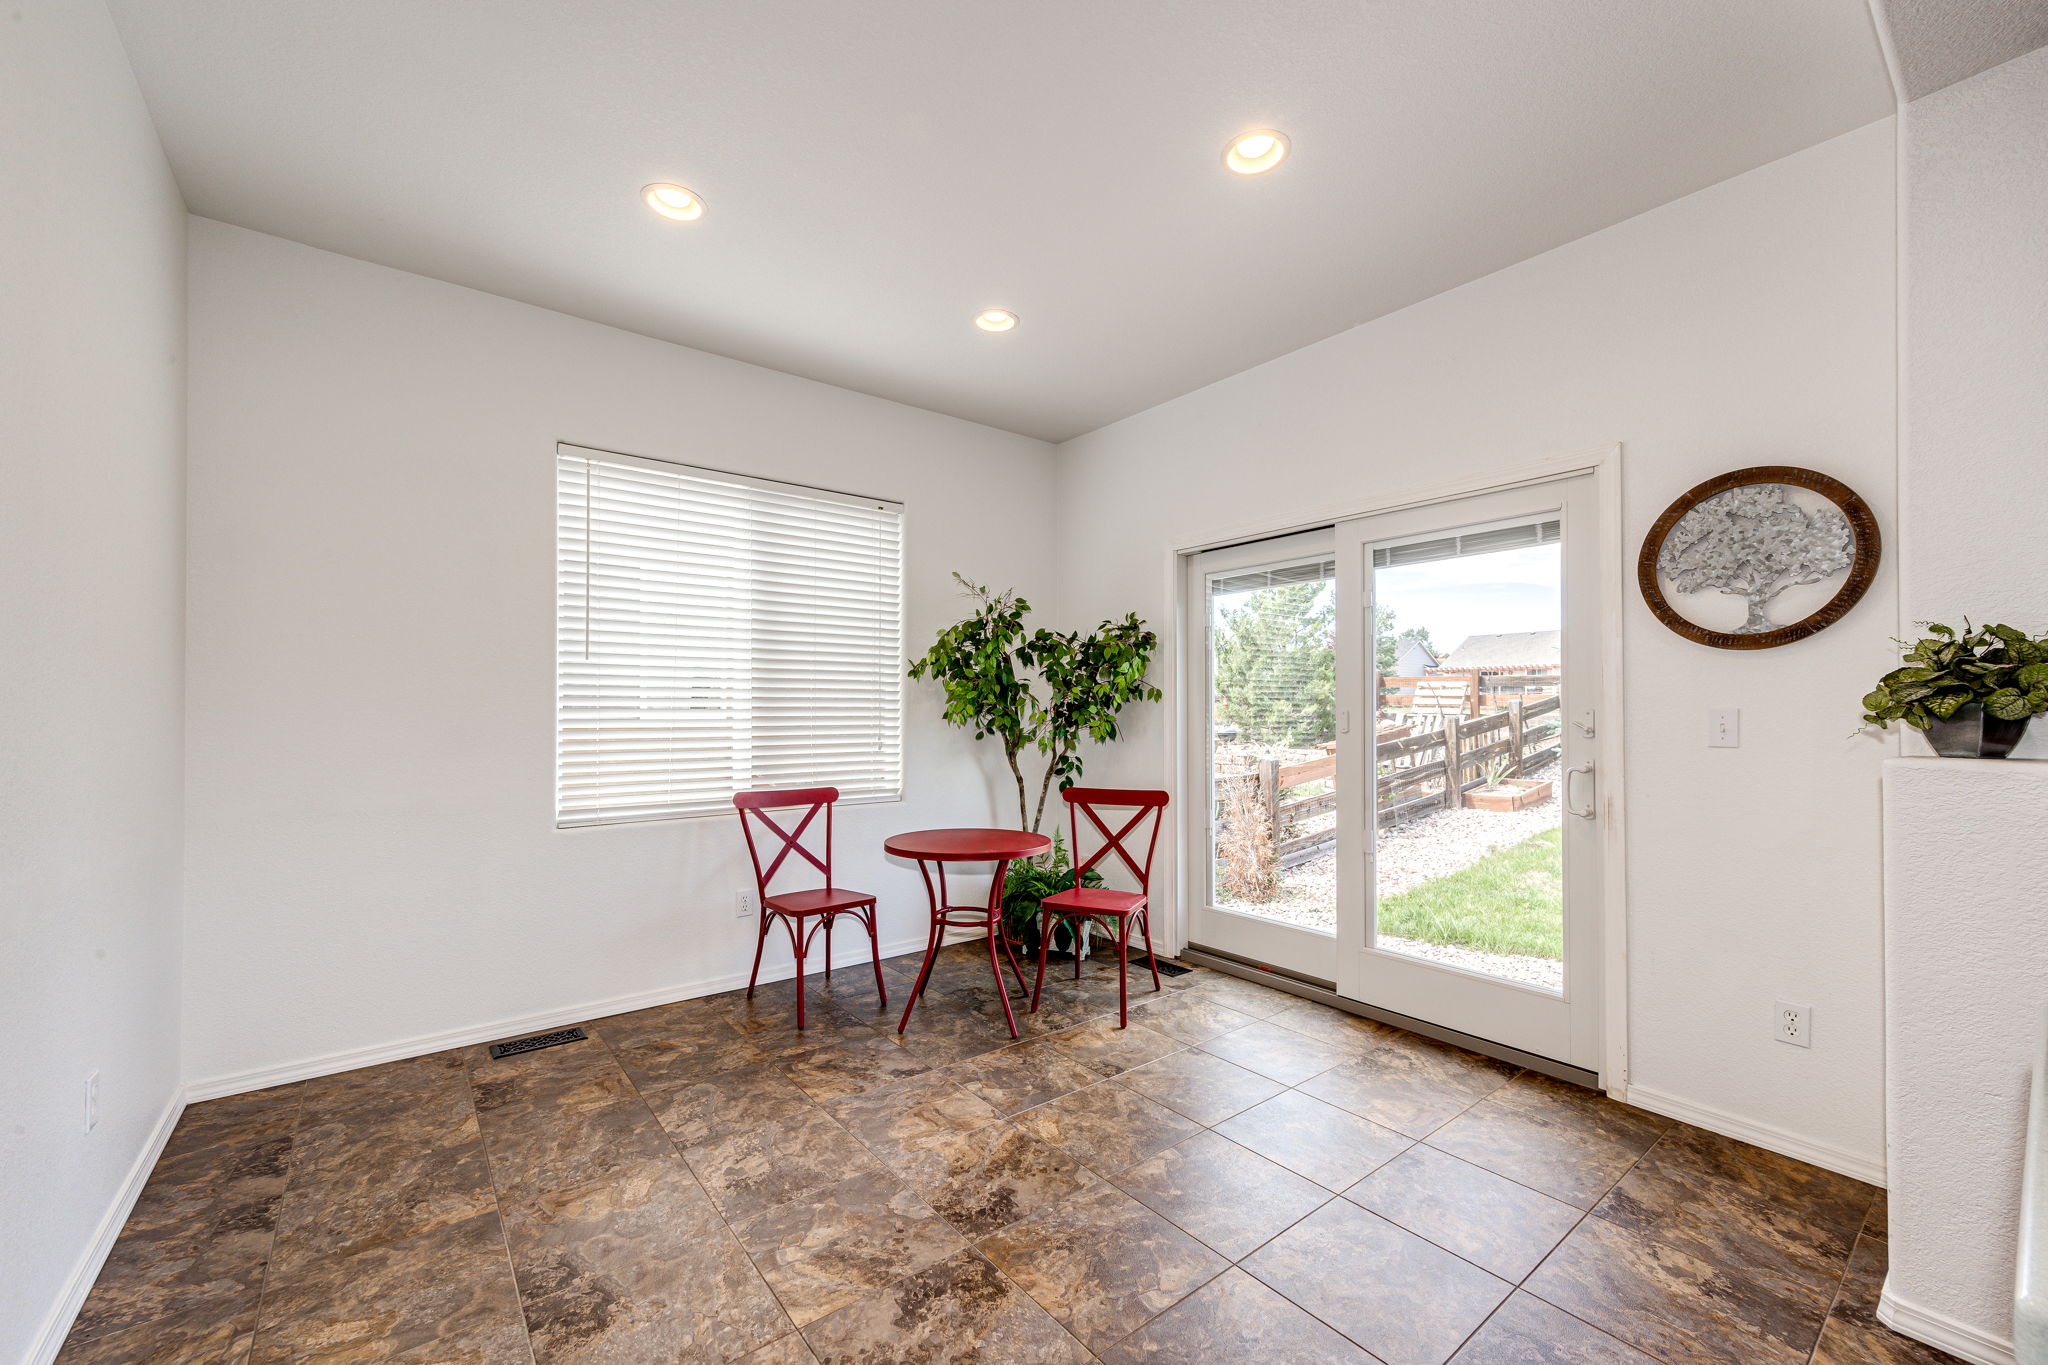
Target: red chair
x,y
801,912
1118,912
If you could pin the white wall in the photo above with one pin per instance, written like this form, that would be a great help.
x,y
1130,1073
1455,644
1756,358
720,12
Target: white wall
x,y
1749,323
1973,462
91,531
372,852
1974,480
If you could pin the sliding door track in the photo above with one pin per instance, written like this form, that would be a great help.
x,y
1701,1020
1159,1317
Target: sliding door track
x,y
1325,993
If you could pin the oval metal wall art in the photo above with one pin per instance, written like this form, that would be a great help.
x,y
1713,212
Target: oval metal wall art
x,y
1741,534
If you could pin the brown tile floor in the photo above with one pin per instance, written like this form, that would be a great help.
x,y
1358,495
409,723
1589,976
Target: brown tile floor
x,y
1239,1175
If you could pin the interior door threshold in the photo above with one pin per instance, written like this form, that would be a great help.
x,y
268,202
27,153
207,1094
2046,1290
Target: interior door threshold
x,y
1324,993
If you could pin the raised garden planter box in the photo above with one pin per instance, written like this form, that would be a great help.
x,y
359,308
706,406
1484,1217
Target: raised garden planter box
x,y
1517,793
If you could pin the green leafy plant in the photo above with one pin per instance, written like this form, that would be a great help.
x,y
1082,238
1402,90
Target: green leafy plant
x,y
1499,771
981,664
984,665
2002,668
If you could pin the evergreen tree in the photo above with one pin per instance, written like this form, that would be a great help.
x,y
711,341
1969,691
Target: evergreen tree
x,y
1276,666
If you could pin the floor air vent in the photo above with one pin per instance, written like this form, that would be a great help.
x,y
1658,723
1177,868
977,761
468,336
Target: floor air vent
x,y
1165,968
538,1040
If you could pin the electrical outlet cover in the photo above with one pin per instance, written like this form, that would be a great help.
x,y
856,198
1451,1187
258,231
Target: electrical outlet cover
x,y
1794,1024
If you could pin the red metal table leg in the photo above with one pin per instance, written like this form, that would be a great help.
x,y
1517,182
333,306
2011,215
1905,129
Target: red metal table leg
x,y
931,947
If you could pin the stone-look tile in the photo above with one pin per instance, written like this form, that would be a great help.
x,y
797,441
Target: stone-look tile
x,y
1286,1056
1719,1222
1107,1050
1401,1298
1877,1222
985,1180
1331,1146
1528,1331
1231,1199
1816,1214
845,1242
961,1309
756,1169
940,1033
540,1148
1021,1076
637,1266
1412,1090
1853,1335
850,1067
790,1350
1558,1145
1101,1262
1234,1318
1676,1306
898,1121
1106,1126
445,1295
1489,1220
1591,1111
201,1336
1261,1002
770,1025
848,991
714,1107
194,1246
1339,1028
357,1195
669,1049
1207,1089
1189,1018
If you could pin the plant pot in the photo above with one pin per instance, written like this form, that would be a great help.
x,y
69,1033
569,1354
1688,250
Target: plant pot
x,y
1969,733
1516,793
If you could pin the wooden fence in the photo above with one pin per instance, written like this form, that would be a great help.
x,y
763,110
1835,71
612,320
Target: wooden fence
x,y
1465,691
1419,764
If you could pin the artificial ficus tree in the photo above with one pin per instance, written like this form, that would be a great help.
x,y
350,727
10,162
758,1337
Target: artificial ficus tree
x,y
983,662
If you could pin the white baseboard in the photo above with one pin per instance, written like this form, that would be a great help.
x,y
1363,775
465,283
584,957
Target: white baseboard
x,y
64,1312
1943,1332
420,1045
1784,1143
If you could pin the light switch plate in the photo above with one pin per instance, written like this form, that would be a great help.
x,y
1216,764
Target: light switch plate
x,y
1724,729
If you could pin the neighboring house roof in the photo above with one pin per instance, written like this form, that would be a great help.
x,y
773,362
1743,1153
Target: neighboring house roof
x,y
1518,649
1413,656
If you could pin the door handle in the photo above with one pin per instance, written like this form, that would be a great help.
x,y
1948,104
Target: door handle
x,y
1585,770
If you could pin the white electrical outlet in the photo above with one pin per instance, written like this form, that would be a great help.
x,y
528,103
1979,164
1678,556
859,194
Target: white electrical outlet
x,y
1724,729
1794,1024
92,1101
743,905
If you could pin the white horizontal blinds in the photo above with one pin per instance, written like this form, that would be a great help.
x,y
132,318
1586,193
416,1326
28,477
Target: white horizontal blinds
x,y
716,633
1470,543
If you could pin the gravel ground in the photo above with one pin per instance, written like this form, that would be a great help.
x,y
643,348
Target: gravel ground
x,y
1421,850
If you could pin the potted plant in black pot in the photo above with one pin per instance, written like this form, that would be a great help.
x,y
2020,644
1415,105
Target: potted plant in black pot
x,y
1972,691
985,662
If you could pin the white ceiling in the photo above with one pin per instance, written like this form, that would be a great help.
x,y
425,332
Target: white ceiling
x,y
877,171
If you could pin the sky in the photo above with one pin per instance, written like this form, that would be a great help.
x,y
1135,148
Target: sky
x,y
1510,590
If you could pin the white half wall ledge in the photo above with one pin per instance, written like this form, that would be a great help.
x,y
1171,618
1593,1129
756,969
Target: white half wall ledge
x,y
421,1045
1966,972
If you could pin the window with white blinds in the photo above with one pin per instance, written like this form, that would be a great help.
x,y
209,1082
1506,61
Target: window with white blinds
x,y
716,633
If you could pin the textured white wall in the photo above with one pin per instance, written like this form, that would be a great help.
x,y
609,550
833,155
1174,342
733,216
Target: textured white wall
x,y
1966,953
1967,941
1749,323
91,526
1973,460
372,849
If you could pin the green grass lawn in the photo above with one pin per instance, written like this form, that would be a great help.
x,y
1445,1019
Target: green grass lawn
x,y
1510,901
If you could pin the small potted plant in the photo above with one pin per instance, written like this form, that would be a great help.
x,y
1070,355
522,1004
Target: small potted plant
x,y
1504,793
1972,691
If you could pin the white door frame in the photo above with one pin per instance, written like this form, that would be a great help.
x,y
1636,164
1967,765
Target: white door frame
x,y
1606,466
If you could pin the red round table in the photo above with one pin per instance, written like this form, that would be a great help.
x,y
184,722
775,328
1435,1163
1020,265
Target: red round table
x,y
934,848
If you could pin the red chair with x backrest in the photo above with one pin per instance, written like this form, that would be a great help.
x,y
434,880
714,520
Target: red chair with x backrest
x,y
1117,911
801,912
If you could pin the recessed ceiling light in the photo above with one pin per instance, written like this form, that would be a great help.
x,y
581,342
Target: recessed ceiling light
x,y
995,319
1259,150
673,201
